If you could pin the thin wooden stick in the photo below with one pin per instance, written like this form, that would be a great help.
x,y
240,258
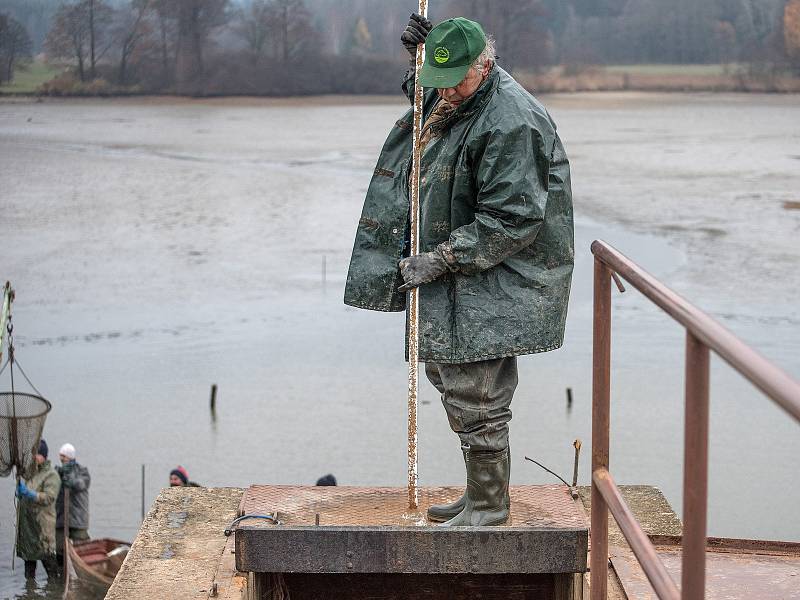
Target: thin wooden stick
x,y
66,541
413,305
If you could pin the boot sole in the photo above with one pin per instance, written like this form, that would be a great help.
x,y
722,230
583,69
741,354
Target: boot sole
x,y
442,519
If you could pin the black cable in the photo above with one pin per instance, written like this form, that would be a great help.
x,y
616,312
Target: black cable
x,y
549,471
229,529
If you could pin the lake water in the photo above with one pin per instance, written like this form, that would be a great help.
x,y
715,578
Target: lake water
x,y
158,246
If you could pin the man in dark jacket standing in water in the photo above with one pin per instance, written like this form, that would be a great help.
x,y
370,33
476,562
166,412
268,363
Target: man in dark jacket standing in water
x,y
496,241
75,478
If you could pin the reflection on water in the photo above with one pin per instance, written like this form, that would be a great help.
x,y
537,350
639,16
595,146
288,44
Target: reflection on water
x,y
159,247
51,590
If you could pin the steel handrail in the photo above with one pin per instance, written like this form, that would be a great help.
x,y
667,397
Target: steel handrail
x,y
640,544
773,381
702,335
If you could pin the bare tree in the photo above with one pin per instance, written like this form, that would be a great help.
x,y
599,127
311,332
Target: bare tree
x,y
791,32
253,23
68,38
34,15
96,12
292,29
15,46
133,28
196,20
523,38
81,32
166,15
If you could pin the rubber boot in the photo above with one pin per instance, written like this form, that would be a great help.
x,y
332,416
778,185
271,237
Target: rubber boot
x,y
440,513
487,500
30,569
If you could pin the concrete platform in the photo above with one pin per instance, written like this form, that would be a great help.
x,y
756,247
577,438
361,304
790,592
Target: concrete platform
x,y
362,530
181,552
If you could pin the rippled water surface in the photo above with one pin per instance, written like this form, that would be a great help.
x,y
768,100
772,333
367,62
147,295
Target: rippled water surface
x,y
159,246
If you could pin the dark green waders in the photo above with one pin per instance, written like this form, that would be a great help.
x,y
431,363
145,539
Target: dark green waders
x,y
477,398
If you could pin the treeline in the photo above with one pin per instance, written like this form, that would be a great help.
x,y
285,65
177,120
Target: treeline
x,y
16,47
278,47
678,31
208,47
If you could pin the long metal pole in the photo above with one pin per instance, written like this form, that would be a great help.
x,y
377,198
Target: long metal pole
x,y
6,307
413,303
695,470
601,409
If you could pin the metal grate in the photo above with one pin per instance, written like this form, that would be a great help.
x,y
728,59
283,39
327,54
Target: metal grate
x,y
549,506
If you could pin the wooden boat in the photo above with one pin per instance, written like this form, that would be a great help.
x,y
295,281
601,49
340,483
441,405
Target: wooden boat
x,y
96,562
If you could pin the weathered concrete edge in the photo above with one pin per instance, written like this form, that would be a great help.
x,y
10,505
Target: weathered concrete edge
x,y
179,545
311,549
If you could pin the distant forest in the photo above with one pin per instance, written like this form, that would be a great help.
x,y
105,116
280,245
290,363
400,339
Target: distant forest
x,y
280,47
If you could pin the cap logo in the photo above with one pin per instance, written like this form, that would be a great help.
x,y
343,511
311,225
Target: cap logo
x,y
441,55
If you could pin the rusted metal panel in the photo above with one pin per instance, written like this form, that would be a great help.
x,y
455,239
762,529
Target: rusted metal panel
x,y
361,531
741,569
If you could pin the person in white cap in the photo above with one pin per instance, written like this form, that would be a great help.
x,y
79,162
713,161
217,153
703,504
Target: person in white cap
x,y
74,477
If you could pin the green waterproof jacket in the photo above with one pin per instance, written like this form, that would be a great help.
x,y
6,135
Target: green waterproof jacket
x,y
36,528
495,184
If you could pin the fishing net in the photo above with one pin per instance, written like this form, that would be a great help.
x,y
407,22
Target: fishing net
x,y
22,419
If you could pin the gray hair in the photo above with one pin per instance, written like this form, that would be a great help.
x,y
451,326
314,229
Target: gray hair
x,y
489,54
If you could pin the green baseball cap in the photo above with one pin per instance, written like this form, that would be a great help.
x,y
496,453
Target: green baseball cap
x,y
450,49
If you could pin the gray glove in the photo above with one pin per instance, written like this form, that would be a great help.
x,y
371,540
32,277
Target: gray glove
x,y
422,268
418,29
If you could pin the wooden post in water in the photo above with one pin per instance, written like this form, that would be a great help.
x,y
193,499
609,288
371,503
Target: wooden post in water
x,y
413,302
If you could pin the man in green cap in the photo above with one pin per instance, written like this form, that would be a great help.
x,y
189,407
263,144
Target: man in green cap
x,y
496,241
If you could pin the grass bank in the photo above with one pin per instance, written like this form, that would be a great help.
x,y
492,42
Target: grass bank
x,y
658,78
39,78
29,79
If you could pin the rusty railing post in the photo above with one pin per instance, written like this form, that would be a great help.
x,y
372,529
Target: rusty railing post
x,y
695,470
601,400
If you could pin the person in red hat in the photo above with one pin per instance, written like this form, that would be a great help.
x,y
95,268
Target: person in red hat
x,y
179,477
